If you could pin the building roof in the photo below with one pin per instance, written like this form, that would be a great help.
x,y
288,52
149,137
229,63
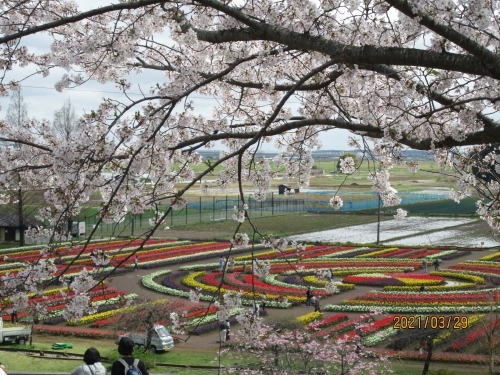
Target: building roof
x,y
12,220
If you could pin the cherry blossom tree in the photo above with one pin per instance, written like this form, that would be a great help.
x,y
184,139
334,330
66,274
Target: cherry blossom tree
x,y
397,74
297,351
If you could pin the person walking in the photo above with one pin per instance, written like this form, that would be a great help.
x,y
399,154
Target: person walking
x,y
312,302
228,330
126,348
315,303
329,275
256,309
436,265
231,265
309,294
263,301
221,264
136,262
223,331
92,365
424,264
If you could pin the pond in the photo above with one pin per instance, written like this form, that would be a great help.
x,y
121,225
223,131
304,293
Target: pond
x,y
412,231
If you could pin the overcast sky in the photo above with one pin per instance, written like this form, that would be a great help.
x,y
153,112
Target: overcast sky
x,y
42,99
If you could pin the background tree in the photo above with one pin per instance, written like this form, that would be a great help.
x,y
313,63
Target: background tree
x,y
17,112
19,195
350,155
65,121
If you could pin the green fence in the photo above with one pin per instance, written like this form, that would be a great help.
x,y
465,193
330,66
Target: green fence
x,y
217,208
199,209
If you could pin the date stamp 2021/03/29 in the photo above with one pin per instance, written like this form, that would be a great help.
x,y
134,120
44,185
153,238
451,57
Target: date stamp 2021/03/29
x,y
430,321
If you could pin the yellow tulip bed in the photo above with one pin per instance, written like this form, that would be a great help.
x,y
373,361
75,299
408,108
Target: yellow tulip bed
x,y
309,318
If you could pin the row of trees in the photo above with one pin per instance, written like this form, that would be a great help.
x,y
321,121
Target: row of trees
x,y
20,198
64,123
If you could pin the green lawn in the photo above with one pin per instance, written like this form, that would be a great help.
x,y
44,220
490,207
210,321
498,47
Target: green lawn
x,y
280,225
16,361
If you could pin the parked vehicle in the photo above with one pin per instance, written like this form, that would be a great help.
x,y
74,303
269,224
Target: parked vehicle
x,y
18,334
161,340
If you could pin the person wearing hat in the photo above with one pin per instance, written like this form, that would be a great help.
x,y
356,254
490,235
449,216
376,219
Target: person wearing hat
x,y
125,348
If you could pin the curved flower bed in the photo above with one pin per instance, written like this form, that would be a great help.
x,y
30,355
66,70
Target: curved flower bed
x,y
313,280
478,268
491,257
148,282
394,279
409,309
422,302
106,314
342,271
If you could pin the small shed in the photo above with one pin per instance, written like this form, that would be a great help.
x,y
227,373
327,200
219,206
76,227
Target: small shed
x,y
282,189
9,226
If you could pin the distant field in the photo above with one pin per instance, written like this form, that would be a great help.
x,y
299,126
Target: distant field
x,y
214,208
429,176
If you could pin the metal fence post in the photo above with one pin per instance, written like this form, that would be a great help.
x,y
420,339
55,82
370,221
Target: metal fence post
x,y
272,203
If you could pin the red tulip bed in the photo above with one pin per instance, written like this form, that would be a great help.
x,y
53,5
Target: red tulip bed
x,y
327,322
341,327
479,268
459,358
33,255
250,282
308,252
407,299
346,264
369,328
161,254
157,253
473,336
311,252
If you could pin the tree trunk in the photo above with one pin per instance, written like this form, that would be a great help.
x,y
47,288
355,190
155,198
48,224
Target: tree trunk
x,y
20,214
